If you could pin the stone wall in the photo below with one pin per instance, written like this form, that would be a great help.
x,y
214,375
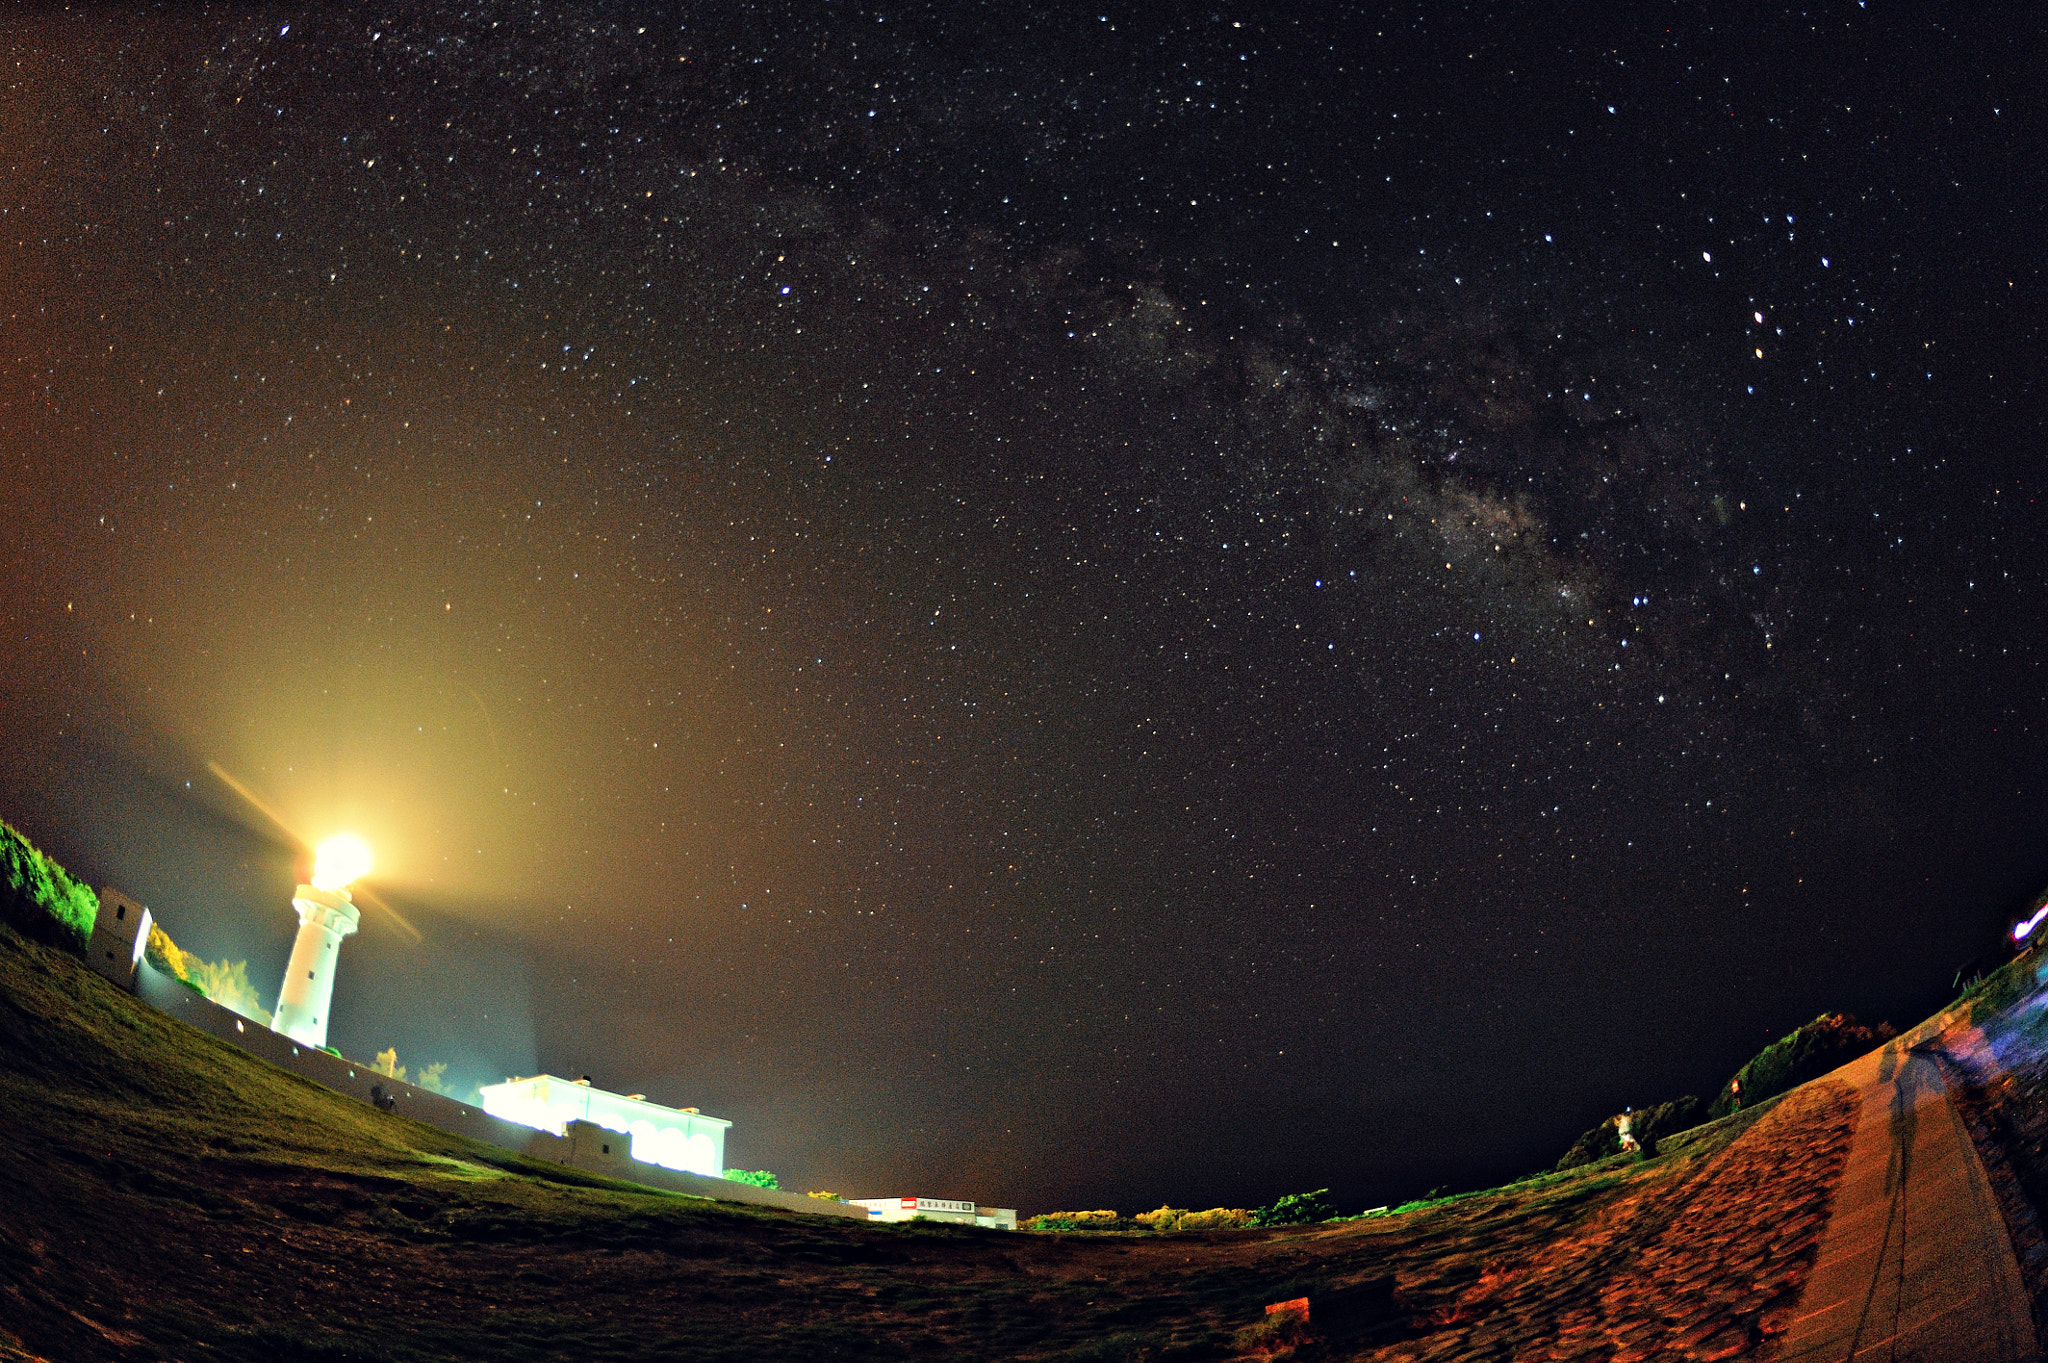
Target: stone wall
x,y
359,1081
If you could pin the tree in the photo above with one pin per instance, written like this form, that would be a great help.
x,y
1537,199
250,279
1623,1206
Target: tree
x,y
1297,1209
1805,1053
227,984
758,1178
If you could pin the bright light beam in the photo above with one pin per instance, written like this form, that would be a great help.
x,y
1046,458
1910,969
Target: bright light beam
x,y
361,892
340,859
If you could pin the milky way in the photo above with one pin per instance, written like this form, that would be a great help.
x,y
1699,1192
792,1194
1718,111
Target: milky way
x,y
1054,607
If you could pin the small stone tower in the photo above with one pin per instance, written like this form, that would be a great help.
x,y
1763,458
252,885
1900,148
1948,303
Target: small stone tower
x,y
120,934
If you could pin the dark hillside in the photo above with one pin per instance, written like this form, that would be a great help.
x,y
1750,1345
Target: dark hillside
x,y
169,1196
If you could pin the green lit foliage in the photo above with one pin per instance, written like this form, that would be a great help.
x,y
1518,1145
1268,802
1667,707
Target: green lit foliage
x,y
1830,1040
227,984
167,957
1297,1209
823,1196
433,1078
41,899
1166,1218
759,1178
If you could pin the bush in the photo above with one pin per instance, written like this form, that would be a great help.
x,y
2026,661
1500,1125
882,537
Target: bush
x,y
1830,1040
1166,1218
1652,1124
757,1178
1296,1209
1279,1335
1217,1218
41,899
182,966
1097,1220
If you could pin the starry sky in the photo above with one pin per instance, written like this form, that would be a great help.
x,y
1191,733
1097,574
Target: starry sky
x,y
1062,606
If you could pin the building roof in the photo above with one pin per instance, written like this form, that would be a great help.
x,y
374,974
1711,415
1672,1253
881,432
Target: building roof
x,y
571,1099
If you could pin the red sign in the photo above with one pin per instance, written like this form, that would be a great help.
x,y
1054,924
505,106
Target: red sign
x,y
909,1201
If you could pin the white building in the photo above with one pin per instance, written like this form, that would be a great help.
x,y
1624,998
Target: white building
x,y
674,1138
938,1209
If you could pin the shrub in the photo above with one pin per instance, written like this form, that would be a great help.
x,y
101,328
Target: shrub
x,y
823,1196
166,956
1652,1124
41,899
1296,1209
1217,1218
757,1178
1097,1220
1808,1052
1166,1218
1277,1336
1597,1144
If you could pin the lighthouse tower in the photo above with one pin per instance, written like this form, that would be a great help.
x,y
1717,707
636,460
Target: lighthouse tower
x,y
326,915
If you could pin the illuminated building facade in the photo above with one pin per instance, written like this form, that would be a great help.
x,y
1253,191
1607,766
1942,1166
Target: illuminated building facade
x,y
674,1138
325,917
938,1209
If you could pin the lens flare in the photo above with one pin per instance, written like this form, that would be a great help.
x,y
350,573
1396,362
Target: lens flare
x,y
2020,931
340,859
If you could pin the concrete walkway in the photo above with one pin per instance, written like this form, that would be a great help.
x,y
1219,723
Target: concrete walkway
x,y
1915,1265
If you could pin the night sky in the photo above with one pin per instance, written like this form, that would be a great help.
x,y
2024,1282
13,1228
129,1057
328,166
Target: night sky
x,y
1067,607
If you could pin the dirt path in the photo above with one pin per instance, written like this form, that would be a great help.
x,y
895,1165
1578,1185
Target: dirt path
x,y
1915,1263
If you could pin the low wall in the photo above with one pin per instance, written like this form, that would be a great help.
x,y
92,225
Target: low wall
x,y
359,1081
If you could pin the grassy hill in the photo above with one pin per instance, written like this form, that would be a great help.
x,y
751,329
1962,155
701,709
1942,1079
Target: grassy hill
x,y
169,1196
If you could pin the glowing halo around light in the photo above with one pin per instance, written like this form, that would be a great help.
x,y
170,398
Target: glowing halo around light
x,y
340,859
2019,932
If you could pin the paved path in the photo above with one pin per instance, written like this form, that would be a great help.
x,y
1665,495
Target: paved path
x,y
1915,1265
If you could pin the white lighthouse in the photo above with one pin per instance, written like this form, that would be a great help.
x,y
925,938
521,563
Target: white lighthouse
x,y
326,915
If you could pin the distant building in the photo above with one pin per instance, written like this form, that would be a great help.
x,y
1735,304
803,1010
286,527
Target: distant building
x,y
674,1138
120,934
937,1209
